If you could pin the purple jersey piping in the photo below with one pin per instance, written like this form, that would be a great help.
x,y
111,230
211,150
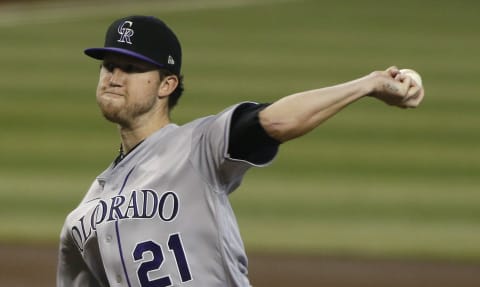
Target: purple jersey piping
x,y
118,232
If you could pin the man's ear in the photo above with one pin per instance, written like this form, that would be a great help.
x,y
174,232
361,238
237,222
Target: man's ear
x,y
167,86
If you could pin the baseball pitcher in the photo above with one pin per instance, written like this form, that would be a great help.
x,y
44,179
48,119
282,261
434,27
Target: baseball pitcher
x,y
159,215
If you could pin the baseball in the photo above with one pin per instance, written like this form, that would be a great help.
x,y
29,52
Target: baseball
x,y
413,75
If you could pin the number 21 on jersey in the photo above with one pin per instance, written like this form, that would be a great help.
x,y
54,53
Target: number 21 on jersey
x,y
175,246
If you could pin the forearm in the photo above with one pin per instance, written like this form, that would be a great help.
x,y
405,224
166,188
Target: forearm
x,y
297,114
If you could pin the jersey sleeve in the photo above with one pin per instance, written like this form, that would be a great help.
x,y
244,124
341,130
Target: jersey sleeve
x,y
225,166
72,270
248,140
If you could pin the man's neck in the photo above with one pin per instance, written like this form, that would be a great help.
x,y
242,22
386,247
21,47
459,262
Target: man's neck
x,y
134,134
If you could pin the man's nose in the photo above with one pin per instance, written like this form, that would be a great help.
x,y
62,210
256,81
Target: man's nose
x,y
117,77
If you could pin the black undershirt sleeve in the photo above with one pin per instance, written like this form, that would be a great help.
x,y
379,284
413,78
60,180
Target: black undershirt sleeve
x,y
248,140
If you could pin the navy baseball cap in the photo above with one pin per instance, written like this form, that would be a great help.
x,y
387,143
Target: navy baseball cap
x,y
143,37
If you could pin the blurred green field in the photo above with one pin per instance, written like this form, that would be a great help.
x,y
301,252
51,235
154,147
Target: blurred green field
x,y
373,181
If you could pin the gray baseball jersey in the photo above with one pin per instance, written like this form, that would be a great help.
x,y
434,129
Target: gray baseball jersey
x,y
161,217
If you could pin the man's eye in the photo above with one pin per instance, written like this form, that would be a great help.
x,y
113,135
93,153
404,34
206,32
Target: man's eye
x,y
108,66
127,68
131,69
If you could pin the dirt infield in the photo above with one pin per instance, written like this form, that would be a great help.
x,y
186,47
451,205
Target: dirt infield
x,y
35,266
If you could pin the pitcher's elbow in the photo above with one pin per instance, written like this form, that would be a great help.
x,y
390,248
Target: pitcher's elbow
x,y
281,130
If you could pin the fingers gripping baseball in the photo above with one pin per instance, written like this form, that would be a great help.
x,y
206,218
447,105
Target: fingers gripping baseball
x,y
415,92
401,88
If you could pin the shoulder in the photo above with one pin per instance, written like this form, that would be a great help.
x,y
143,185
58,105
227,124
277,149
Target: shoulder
x,y
217,121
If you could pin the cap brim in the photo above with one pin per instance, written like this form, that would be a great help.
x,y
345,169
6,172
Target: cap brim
x,y
99,54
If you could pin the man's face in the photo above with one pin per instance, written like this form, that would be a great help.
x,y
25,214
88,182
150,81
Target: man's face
x,y
127,89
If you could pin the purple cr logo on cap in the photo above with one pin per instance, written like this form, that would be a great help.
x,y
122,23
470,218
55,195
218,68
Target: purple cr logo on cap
x,y
125,32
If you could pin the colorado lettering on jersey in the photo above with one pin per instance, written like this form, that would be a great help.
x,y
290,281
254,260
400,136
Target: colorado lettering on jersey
x,y
140,204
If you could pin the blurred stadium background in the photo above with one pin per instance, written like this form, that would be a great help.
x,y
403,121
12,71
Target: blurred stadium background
x,y
374,181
